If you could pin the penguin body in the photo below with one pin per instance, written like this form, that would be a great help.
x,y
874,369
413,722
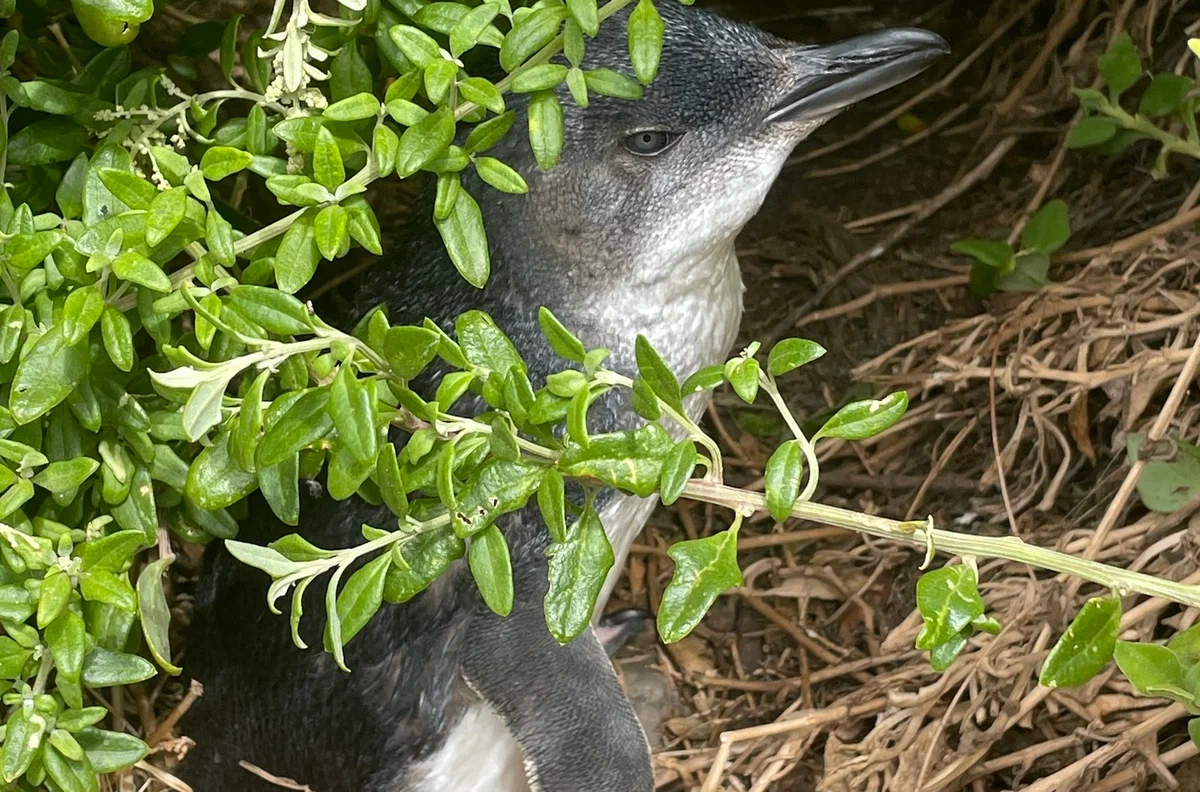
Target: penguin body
x,y
631,233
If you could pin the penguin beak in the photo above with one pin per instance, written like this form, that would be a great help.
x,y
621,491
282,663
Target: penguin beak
x,y
832,77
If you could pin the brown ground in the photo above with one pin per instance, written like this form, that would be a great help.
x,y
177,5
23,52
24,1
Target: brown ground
x,y
806,679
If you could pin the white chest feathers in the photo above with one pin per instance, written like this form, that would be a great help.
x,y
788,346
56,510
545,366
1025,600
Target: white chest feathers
x,y
479,756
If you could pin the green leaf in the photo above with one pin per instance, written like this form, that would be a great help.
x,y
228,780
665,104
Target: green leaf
x,y
14,657
703,569
948,599
155,614
577,84
221,161
66,475
424,141
99,585
706,378
26,251
134,267
1165,93
466,32
994,254
544,77
942,655
533,32
110,751
1048,230
296,259
166,211
386,145
74,774
47,374
353,108
131,189
1186,644
202,411
586,15
1166,486
111,552
1120,66
1092,131
67,638
492,569
52,139
784,471
656,374
466,240
545,128
350,406
81,311
1153,670
410,349
327,161
743,376
415,44
487,134
219,234
55,593
498,487
645,40
425,556
214,481
577,570
1086,646
631,460
69,193
607,82
500,176
862,419
332,231
305,422
677,470
565,343
22,743
103,668
551,499
439,76
1029,273
271,309
359,599
790,354
482,93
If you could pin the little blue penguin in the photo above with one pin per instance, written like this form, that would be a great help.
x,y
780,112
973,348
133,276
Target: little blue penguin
x,y
632,232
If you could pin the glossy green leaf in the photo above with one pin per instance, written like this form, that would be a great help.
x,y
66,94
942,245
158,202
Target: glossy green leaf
x,y
296,259
331,229
214,481
1152,669
1092,131
110,751
677,470
466,241
645,40
1120,66
545,128
862,419
492,569
327,161
155,613
306,421
425,557
103,668
703,569
1086,646
500,176
1164,94
118,338
783,474
221,161
1049,229
48,373
948,599
134,267
792,353
943,655
577,570
533,32
424,141
482,93
272,310
166,211
657,375
360,599
630,460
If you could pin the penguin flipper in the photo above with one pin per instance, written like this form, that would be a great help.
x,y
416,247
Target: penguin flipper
x,y
562,704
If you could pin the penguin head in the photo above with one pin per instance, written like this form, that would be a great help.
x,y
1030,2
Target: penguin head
x,y
649,184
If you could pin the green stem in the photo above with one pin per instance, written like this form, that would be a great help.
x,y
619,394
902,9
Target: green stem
x,y
916,534
1143,125
717,470
810,454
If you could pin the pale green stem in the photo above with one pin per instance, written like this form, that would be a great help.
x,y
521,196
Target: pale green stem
x,y
810,454
918,534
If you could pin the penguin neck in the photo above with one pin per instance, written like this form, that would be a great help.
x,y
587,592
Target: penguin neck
x,y
689,307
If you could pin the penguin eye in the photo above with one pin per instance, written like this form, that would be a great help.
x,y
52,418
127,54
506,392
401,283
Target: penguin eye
x,y
650,142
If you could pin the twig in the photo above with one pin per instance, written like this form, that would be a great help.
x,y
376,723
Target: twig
x,y
1130,243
